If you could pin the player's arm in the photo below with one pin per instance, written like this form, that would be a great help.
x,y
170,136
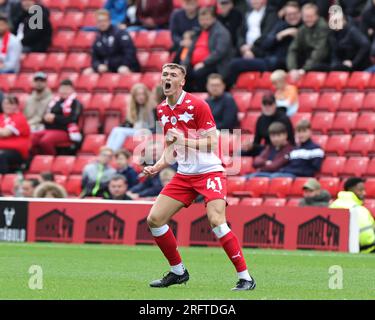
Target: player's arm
x,y
164,161
207,142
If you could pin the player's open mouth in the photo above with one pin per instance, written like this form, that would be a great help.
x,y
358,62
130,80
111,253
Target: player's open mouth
x,y
167,85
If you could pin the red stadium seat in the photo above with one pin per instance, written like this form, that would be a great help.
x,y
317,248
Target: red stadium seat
x,y
356,166
243,100
72,76
329,101
156,60
57,5
280,187
56,19
321,140
163,40
84,98
151,79
370,188
86,82
253,202
370,205
235,184
293,203
333,166
41,163
80,5
366,122
91,122
61,180
352,101
322,121
361,144
120,102
107,82
275,202
371,168
232,201
144,39
92,143
247,80
62,40
330,184
338,144
127,81
73,185
54,62
24,83
308,101
249,122
7,81
344,122
33,61
257,186
72,21
143,58
95,4
359,80
256,101
297,186
313,80
83,41
264,82
336,80
300,116
63,165
369,102
77,62
246,165
22,98
112,120
90,19
8,183
101,102
80,163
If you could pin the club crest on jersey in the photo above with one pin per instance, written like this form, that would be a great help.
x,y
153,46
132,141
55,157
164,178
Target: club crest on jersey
x,y
173,120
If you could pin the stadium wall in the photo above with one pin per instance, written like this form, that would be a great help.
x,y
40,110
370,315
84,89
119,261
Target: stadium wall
x,y
124,222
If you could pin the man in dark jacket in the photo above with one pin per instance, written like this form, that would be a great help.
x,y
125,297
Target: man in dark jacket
x,y
350,48
313,195
270,114
231,18
309,50
35,38
368,26
223,107
307,157
269,51
113,49
182,20
211,50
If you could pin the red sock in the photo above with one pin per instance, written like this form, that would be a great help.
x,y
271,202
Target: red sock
x,y
168,245
232,247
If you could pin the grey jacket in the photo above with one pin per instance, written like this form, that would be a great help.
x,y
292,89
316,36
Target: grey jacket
x,y
220,45
321,200
35,108
91,177
12,59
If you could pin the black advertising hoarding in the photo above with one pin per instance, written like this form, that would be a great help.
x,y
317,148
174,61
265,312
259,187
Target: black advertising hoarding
x,y
13,221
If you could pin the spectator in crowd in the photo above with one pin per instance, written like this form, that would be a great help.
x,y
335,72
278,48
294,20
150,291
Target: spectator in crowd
x,y
96,175
152,186
211,50
183,20
138,116
50,190
223,107
14,135
47,176
269,115
274,156
37,103
60,121
231,18
182,53
154,14
286,94
310,49
28,187
313,195
350,48
279,6
117,10
35,34
11,49
269,50
118,187
352,198
353,8
368,28
305,160
158,97
122,161
113,49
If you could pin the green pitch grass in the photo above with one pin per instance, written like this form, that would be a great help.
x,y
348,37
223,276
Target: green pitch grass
x,y
121,272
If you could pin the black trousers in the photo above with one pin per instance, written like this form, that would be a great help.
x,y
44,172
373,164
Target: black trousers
x,y
9,159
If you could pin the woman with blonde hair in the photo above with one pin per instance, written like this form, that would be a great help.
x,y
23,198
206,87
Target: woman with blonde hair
x,y
139,115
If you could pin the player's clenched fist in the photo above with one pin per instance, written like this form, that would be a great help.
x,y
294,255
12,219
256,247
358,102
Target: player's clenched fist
x,y
150,171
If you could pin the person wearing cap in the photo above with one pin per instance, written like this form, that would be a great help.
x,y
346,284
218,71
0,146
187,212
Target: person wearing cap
x,y
37,103
270,114
230,17
313,195
305,160
11,48
352,198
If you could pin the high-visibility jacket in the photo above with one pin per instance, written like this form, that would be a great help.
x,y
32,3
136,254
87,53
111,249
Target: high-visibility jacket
x,y
366,222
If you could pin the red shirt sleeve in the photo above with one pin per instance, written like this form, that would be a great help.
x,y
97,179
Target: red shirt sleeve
x,y
20,124
204,118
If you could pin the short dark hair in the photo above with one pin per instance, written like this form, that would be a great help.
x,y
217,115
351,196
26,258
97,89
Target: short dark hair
x,y
123,152
66,82
34,182
175,66
277,128
350,183
268,98
11,99
47,176
293,4
117,177
211,10
303,125
215,76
